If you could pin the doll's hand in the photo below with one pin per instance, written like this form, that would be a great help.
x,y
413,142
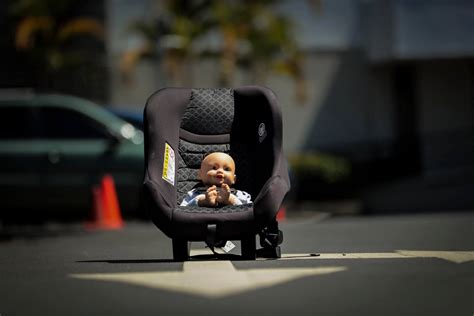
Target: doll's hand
x,y
223,197
211,196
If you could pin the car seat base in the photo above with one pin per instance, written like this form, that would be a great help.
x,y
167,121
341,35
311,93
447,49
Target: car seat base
x,y
181,249
269,252
248,248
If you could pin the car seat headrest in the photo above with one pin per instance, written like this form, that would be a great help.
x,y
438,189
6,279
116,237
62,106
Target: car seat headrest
x,y
209,112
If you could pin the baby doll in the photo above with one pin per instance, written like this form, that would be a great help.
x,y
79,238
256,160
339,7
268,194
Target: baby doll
x,y
217,173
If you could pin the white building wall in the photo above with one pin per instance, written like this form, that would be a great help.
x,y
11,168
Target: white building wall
x,y
147,76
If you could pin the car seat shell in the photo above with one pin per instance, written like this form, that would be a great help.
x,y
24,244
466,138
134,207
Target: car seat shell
x,y
251,133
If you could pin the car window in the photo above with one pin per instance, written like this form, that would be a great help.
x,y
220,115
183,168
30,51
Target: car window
x,y
16,122
61,123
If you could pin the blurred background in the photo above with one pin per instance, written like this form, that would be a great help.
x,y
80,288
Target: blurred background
x,y
377,96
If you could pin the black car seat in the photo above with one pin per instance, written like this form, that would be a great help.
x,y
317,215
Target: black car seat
x,y
183,125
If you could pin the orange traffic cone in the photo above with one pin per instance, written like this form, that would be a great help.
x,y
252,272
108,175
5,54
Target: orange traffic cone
x,y
106,210
281,215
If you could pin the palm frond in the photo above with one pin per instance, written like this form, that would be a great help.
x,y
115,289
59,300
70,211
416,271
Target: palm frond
x,y
81,26
28,26
131,58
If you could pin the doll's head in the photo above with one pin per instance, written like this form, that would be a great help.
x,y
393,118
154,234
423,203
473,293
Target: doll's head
x,y
217,168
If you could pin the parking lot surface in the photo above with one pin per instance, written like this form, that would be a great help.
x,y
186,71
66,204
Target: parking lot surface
x,y
387,265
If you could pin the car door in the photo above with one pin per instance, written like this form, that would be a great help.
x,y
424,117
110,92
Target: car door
x,y
78,148
22,158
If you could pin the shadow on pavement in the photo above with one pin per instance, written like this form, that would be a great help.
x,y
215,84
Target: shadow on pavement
x,y
210,257
128,261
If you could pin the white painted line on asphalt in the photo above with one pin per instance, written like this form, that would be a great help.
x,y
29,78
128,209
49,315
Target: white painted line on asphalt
x,y
452,256
212,279
219,278
339,256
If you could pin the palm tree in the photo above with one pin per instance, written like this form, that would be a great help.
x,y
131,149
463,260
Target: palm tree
x,y
267,40
169,38
46,31
252,35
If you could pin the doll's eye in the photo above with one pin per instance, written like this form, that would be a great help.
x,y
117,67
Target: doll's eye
x,y
227,169
214,168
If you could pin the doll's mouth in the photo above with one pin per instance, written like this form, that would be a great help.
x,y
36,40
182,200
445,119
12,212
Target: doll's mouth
x,y
220,178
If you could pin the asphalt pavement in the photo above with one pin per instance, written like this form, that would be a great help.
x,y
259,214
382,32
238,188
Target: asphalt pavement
x,y
357,265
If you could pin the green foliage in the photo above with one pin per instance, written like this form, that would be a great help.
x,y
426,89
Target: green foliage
x,y
253,35
45,29
330,168
59,44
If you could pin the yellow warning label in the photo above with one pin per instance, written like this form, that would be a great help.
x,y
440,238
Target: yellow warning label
x,y
168,164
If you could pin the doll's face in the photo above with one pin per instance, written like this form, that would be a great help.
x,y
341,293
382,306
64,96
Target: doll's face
x,y
216,169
